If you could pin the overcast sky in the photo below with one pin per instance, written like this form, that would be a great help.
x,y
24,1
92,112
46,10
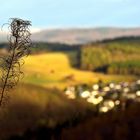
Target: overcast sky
x,y
73,13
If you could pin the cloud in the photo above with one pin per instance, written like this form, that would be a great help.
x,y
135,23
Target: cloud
x,y
35,29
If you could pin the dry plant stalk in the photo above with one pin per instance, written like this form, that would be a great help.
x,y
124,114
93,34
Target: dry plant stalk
x,y
19,45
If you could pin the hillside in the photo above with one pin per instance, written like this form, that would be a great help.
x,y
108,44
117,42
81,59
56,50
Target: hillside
x,y
116,56
78,35
83,35
55,70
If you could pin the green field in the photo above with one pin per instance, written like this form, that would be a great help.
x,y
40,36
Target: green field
x,y
55,70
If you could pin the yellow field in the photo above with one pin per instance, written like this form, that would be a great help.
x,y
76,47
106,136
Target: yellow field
x,y
54,70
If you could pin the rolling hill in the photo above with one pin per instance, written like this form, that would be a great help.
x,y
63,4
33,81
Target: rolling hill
x,y
53,70
83,35
79,35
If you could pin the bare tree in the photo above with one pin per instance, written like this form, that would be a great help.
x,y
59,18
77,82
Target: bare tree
x,y
19,46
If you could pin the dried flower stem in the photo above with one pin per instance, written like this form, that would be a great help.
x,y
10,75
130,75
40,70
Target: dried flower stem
x,y
19,44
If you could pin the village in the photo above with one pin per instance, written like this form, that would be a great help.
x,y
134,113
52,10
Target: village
x,y
106,97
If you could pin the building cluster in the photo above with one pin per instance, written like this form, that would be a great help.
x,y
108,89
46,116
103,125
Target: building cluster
x,y
107,97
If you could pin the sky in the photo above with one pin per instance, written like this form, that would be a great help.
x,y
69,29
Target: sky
x,y
72,13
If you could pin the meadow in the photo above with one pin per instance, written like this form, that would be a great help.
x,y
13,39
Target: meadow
x,y
54,70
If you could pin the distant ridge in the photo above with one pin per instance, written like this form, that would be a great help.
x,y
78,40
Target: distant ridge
x,y
81,35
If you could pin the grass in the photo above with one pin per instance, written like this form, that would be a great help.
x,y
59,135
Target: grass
x,y
55,70
31,105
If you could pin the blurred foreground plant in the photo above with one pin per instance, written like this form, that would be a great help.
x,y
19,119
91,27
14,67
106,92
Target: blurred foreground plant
x,y
19,45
